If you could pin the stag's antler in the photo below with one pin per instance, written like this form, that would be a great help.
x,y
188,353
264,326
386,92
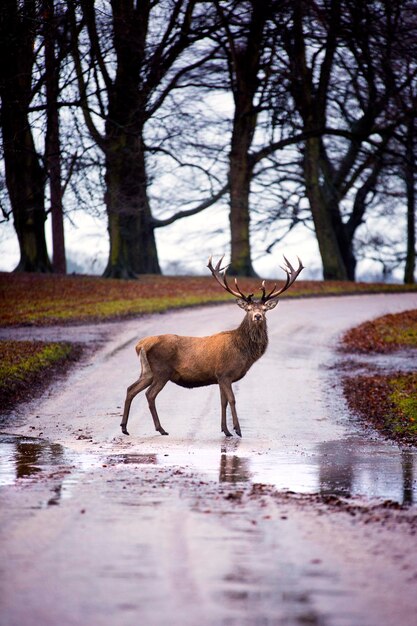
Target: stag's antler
x,y
219,274
291,276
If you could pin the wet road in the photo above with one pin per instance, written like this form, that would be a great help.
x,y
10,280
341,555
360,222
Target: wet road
x,y
101,528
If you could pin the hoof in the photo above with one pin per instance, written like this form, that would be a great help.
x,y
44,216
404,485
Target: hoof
x,y
238,432
163,432
227,433
124,429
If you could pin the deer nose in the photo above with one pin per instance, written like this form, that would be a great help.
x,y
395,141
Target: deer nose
x,y
257,317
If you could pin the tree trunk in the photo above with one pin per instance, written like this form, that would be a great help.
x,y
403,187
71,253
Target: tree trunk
x,y
343,233
345,244
52,142
410,261
25,177
239,177
26,186
245,59
240,171
132,239
324,217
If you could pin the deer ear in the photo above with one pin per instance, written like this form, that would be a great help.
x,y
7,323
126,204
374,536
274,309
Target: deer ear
x,y
271,304
242,303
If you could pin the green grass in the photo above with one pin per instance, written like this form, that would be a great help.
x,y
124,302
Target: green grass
x,y
402,335
24,366
404,399
19,358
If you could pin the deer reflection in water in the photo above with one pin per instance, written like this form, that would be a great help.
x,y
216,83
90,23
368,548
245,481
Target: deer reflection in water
x,y
233,469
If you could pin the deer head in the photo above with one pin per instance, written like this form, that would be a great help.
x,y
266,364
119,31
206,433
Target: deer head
x,y
256,309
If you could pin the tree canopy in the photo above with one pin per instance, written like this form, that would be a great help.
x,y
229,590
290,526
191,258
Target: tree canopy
x,y
112,104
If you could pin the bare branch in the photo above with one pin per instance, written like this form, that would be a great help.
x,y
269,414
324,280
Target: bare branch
x,y
159,223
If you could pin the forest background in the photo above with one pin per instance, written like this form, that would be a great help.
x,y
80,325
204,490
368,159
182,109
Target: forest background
x,y
144,134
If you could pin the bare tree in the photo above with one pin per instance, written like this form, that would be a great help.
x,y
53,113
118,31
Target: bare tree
x,y
410,183
55,48
408,154
129,57
344,78
243,34
24,168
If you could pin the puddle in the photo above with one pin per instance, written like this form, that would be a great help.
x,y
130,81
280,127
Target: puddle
x,y
234,469
376,469
25,457
345,467
31,459
352,466
403,360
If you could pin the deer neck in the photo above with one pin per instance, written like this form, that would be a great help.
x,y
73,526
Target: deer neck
x,y
252,338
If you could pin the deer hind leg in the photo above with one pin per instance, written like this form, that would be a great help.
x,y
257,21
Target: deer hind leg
x,y
223,398
226,388
154,389
142,383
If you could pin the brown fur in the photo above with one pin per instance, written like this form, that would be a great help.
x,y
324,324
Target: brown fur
x,y
251,339
222,359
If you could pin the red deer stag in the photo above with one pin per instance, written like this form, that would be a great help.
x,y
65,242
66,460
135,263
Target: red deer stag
x,y
219,359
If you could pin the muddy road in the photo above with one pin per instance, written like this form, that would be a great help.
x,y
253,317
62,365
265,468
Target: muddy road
x,y
99,528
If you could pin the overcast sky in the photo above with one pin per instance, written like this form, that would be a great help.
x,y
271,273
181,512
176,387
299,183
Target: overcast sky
x,y
183,247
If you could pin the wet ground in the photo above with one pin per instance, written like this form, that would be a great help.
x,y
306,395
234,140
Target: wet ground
x,y
101,528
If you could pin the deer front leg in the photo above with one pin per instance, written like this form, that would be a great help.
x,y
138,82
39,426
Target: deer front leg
x,y
223,398
226,388
154,389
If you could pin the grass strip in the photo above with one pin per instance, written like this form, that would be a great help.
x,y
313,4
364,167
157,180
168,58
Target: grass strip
x,y
37,299
24,366
389,401
384,334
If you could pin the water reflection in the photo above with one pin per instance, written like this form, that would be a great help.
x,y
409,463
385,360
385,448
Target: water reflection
x,y
407,464
57,495
24,457
234,469
336,469
357,467
346,467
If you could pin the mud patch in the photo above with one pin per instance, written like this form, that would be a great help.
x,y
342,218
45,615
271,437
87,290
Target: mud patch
x,y
133,459
217,553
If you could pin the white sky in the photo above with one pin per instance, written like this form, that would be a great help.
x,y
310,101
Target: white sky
x,y
187,243
183,247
